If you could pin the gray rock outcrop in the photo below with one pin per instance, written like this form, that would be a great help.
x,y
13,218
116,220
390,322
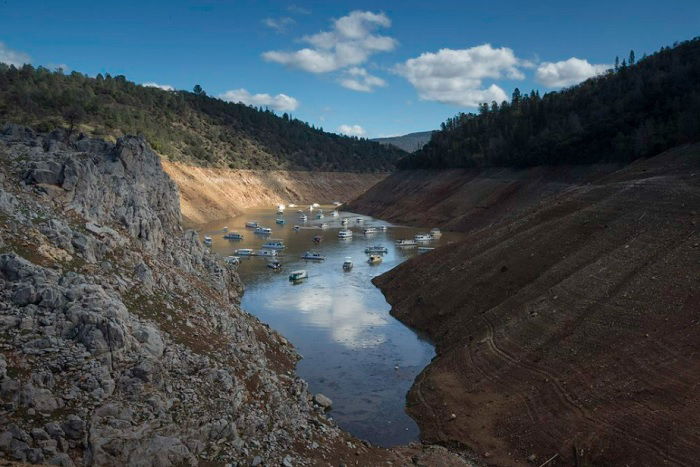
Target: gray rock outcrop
x,y
121,337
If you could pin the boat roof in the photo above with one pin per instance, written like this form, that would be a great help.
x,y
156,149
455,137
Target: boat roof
x,y
300,271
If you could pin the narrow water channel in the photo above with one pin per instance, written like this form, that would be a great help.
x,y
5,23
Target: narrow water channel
x,y
353,350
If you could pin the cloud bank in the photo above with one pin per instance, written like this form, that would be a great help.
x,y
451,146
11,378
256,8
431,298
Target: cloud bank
x,y
351,130
280,102
12,57
350,42
164,87
280,25
455,76
567,72
358,79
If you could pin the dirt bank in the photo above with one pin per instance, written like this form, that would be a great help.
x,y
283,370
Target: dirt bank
x,y
211,194
464,200
567,323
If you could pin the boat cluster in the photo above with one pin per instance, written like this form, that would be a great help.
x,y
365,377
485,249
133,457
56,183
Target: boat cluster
x,y
271,248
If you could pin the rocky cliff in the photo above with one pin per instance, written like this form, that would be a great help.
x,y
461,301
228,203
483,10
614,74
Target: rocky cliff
x,y
121,337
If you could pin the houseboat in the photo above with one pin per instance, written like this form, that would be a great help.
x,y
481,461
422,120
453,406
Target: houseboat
x,y
405,243
313,255
274,245
345,233
297,276
233,236
347,264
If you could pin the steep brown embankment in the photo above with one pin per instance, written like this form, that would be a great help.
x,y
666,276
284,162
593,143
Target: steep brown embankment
x,y
571,327
208,194
464,200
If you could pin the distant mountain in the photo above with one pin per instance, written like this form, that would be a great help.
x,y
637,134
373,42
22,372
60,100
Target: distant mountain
x,y
189,127
409,143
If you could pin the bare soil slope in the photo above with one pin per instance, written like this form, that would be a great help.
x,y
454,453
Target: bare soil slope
x,y
570,327
462,199
208,194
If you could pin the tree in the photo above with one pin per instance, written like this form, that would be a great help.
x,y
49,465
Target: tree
x,y
631,60
197,89
73,115
617,63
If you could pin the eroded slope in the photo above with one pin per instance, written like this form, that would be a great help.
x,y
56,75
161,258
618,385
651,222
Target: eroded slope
x,y
570,327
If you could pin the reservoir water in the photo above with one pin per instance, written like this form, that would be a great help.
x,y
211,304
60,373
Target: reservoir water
x,y
353,350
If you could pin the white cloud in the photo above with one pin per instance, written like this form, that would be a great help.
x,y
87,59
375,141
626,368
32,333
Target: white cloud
x,y
567,72
12,57
351,130
279,24
280,102
351,41
358,79
164,87
455,76
299,10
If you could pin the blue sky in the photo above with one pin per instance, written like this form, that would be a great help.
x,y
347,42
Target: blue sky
x,y
370,68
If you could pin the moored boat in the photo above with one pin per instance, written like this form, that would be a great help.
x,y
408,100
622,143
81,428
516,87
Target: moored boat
x,y
405,243
280,221
334,214
251,224
235,260
370,230
376,249
347,264
207,240
423,249
303,218
318,239
266,252
244,252
435,233
274,265
345,233
313,255
274,245
263,230
374,259
233,236
422,237
296,276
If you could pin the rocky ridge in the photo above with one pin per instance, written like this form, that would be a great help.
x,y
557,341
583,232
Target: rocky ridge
x,y
121,337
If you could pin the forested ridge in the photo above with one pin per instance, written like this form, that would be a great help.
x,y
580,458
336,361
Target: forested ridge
x,y
636,109
181,125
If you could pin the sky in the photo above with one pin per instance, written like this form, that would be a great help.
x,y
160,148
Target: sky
x,y
371,69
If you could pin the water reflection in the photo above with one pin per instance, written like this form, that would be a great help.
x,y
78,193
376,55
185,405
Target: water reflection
x,y
354,351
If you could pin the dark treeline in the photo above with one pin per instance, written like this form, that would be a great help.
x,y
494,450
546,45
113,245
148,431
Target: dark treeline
x,y
636,109
184,126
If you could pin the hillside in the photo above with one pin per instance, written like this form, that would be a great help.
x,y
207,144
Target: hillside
x,y
410,143
566,323
182,126
208,194
636,110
